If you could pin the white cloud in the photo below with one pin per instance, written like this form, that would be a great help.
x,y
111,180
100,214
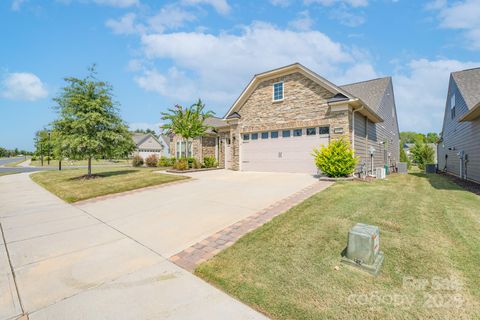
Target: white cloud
x,y
347,17
461,15
17,4
303,22
23,86
118,3
217,67
280,3
167,18
124,25
421,90
221,6
352,3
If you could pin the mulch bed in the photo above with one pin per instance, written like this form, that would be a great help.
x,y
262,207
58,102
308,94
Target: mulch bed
x,y
465,184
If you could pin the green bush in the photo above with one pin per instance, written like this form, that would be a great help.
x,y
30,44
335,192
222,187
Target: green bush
x,y
34,158
423,154
137,161
181,164
405,158
336,159
210,162
166,162
151,160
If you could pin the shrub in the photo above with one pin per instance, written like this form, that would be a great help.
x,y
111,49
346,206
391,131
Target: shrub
x,y
137,161
336,160
151,160
405,158
210,162
166,162
34,158
423,154
181,164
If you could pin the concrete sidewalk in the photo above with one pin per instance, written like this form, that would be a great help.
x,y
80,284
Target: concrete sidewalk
x,y
69,264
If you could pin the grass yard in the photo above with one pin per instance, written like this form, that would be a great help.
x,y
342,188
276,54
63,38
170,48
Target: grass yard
x,y
290,268
67,163
6,173
71,186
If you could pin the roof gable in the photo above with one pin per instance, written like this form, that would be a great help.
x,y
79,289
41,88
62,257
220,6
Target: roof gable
x,y
468,83
296,67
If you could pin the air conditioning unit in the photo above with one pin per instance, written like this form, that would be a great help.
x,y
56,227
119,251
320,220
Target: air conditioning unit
x,y
380,173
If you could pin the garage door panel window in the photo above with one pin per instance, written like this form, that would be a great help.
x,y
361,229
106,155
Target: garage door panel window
x,y
324,130
274,134
311,131
246,137
264,135
254,136
286,133
297,132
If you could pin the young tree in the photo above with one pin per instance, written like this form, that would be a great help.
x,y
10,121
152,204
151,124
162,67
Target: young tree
x,y
432,137
88,122
423,154
189,123
43,145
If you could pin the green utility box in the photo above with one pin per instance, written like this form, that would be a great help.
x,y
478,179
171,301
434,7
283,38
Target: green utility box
x,y
363,248
386,169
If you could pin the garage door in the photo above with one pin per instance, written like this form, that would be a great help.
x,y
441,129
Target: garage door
x,y
282,151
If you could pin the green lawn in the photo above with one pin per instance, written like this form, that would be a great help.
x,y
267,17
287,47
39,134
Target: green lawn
x,y
67,163
14,164
5,173
71,186
429,228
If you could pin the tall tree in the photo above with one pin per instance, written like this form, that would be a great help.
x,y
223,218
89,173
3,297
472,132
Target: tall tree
x,y
43,145
432,137
188,123
88,121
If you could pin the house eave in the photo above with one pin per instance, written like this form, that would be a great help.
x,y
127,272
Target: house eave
x,y
471,115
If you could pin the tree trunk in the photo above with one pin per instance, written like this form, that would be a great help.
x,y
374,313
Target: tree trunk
x,y
89,166
41,159
60,165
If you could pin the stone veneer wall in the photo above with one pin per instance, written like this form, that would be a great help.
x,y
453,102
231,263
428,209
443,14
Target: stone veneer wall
x,y
304,105
208,146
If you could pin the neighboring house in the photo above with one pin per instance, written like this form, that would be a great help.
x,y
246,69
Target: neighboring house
x,y
148,144
459,149
408,146
283,114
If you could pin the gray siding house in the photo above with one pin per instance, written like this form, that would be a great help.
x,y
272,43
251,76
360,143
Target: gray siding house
x,y
459,148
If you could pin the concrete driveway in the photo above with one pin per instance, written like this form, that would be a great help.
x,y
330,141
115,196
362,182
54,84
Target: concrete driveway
x,y
107,259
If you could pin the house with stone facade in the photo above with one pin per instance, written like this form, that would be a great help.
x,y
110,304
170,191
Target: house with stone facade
x,y
459,147
283,114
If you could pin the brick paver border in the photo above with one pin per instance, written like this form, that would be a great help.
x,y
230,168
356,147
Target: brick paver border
x,y
200,252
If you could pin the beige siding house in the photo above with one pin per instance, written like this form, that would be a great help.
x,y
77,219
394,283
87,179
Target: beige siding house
x,y
148,144
283,114
459,148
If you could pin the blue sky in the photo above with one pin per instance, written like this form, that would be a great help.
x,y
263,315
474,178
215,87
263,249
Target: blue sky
x,y
159,53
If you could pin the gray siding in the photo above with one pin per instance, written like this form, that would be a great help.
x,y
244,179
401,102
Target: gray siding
x,y
459,136
383,136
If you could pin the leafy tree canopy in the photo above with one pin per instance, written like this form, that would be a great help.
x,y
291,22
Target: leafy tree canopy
x,y
88,123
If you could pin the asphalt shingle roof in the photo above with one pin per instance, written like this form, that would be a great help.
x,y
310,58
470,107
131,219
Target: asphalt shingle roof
x,y
371,92
468,82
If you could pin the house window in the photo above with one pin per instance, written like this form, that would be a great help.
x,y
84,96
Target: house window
x,y
297,132
311,131
181,150
286,133
324,130
452,106
246,137
278,91
264,135
274,134
254,136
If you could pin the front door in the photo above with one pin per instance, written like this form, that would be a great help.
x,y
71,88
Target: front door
x,y
228,153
